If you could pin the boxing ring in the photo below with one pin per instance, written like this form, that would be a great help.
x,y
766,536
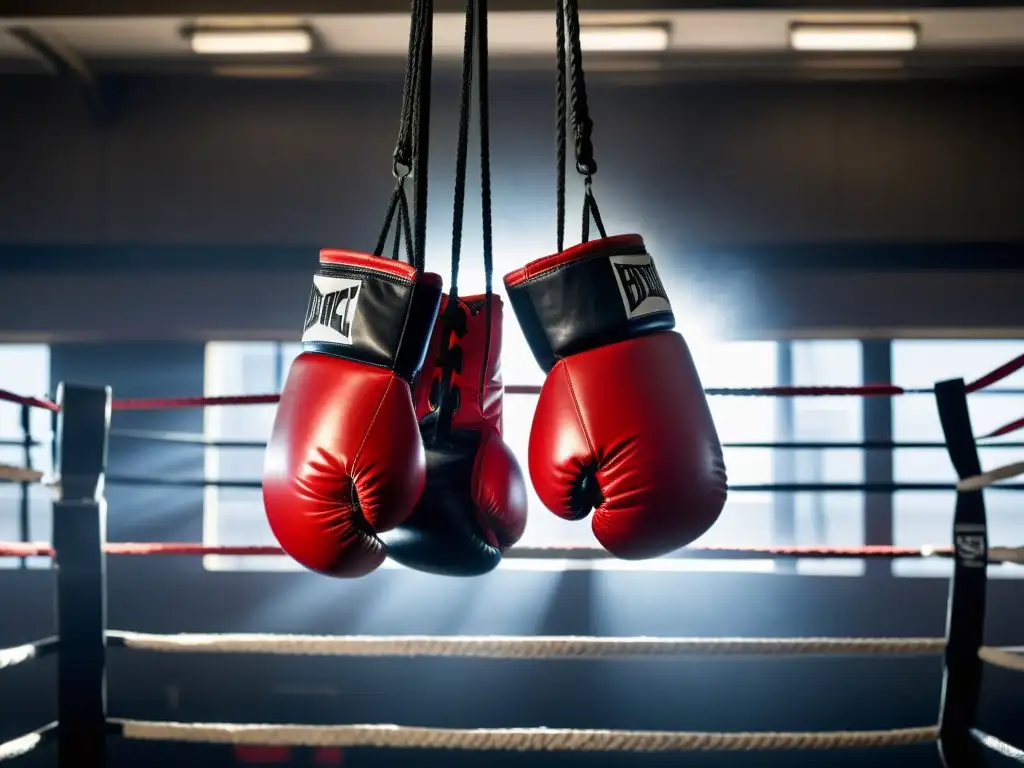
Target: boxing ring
x,y
82,428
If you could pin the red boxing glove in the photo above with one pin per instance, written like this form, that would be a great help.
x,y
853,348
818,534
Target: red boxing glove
x,y
474,505
622,425
344,460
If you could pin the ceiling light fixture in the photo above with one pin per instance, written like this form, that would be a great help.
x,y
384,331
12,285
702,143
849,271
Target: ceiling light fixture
x,y
253,41
633,39
853,37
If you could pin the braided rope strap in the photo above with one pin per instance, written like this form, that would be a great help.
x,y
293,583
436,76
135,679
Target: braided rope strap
x,y
1006,555
22,745
20,654
517,739
999,657
985,479
511,647
14,474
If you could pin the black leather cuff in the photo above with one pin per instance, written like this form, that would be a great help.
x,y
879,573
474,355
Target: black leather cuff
x,y
595,294
372,316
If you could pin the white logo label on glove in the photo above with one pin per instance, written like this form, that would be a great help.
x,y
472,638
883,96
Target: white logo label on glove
x,y
332,307
639,285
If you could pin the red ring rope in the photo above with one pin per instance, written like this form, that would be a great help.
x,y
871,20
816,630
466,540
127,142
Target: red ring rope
x,y
1006,429
163,403
997,375
32,402
36,549
867,390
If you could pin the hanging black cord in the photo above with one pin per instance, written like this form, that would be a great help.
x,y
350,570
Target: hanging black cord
x,y
403,147
484,112
560,120
572,104
462,149
402,165
474,56
579,110
421,145
454,321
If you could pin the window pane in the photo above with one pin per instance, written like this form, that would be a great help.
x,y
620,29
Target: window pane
x,y
747,517
235,516
926,518
828,519
26,370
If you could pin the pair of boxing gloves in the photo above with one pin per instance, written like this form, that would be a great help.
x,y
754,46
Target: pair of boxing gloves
x,y
622,427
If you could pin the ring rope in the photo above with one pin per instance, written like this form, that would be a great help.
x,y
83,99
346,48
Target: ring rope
x,y
996,555
20,474
19,654
998,746
31,402
516,739
1006,429
867,390
737,553
25,744
526,647
25,549
985,479
1001,657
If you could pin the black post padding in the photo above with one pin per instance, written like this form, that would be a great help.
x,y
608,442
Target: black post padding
x,y
79,532
965,618
24,514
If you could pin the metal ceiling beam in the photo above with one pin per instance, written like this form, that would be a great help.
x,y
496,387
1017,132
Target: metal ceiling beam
x,y
62,61
94,8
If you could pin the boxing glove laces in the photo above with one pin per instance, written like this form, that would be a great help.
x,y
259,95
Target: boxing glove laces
x,y
474,505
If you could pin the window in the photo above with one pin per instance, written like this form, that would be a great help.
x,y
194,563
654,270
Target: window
x,y
926,517
26,370
834,519
235,516
747,519
778,518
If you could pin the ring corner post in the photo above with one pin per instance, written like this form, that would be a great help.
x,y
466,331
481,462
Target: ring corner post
x,y
965,617
79,533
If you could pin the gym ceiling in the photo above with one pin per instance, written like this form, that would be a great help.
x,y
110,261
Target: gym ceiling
x,y
88,38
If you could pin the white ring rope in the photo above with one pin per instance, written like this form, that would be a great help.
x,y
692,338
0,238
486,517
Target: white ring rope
x,y
985,479
1006,555
22,745
512,647
20,474
19,654
517,739
19,746
1002,657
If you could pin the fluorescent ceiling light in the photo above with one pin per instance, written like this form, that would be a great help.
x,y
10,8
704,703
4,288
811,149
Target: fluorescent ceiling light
x,y
251,41
853,37
624,39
